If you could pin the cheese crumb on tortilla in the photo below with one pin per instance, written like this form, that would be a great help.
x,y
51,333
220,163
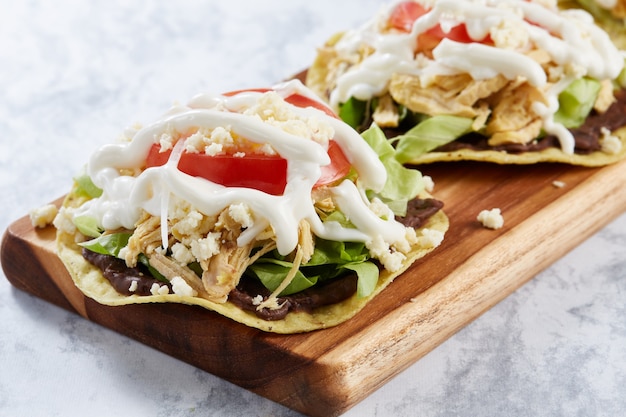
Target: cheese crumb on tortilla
x,y
63,221
430,238
610,143
491,219
180,287
157,289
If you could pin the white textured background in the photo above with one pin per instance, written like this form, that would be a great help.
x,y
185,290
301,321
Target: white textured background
x,y
73,74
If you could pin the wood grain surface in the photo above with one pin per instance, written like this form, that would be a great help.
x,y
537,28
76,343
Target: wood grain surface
x,y
326,372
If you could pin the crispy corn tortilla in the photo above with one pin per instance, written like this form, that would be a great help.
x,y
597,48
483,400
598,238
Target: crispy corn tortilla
x,y
594,159
93,284
320,79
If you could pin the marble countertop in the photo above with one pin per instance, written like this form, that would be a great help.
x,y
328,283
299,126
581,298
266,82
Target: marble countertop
x,y
75,73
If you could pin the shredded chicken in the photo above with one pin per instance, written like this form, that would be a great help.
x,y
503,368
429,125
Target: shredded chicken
x,y
512,118
145,238
605,97
386,113
170,269
456,95
222,271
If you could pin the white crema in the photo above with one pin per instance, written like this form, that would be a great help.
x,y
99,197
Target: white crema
x,y
570,37
125,196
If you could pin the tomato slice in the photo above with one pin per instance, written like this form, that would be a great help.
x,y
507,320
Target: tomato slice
x,y
295,99
338,168
303,101
407,12
267,173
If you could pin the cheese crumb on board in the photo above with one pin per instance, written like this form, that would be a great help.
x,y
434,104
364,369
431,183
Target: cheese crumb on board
x,y
558,184
43,216
491,219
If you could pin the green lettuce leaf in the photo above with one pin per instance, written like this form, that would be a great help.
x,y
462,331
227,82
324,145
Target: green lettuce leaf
x,y
272,272
576,101
353,112
88,226
430,134
403,183
330,260
367,273
107,244
85,186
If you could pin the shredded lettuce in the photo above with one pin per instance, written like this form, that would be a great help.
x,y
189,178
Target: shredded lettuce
x,y
576,101
430,134
330,259
353,112
109,244
85,186
88,226
403,184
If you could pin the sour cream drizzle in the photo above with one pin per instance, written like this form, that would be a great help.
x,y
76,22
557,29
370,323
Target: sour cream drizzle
x,y
570,37
125,196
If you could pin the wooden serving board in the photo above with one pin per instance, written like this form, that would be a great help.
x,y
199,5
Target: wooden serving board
x,y
324,373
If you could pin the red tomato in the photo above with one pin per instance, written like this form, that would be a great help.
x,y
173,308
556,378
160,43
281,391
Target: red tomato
x,y
295,99
338,168
407,12
267,173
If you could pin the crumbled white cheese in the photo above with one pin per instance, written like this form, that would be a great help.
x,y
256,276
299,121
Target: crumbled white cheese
x,y
257,300
166,141
429,184
430,238
44,215
182,254
63,220
196,142
180,287
491,219
510,34
214,149
241,214
157,289
205,248
558,184
380,209
210,141
189,223
610,143
133,286
274,110
379,249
